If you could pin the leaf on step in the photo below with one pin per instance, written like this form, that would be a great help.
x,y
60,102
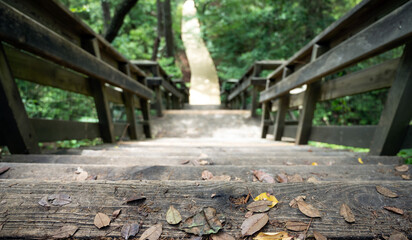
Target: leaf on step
x,y
259,206
282,178
116,213
59,199
206,175
402,168
398,236
248,214
406,177
173,216
312,180
79,170
319,236
152,233
273,236
203,162
221,178
184,162
360,160
92,177
314,164
267,197
82,176
44,202
346,213
65,232
254,224
386,192
295,178
263,177
308,209
294,202
301,236
134,199
130,230
4,169
394,209
222,236
202,223
296,226
101,220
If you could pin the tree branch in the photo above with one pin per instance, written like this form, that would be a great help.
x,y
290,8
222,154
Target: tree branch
x,y
118,18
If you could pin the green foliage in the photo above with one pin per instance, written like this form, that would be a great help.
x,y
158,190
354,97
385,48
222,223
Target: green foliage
x,y
334,146
407,154
71,144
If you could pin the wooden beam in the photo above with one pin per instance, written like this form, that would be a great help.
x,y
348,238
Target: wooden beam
x,y
280,117
397,113
100,97
241,86
19,30
159,101
145,108
129,105
172,89
397,28
16,129
254,101
266,108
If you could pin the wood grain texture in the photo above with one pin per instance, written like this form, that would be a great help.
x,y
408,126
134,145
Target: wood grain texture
x,y
20,199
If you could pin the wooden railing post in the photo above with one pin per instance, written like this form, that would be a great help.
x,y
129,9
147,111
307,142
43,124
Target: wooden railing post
x,y
283,107
16,129
264,124
310,98
145,107
128,99
100,96
254,101
158,92
397,112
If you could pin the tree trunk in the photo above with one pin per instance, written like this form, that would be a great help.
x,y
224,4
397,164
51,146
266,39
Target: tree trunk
x,y
168,29
155,48
107,18
117,21
160,29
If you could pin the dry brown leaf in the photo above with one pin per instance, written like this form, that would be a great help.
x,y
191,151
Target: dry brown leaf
x,y
312,180
203,163
296,226
101,220
263,177
130,230
134,199
398,236
59,199
386,192
4,169
394,209
116,213
206,175
248,214
152,233
402,168
319,236
273,236
65,232
221,178
202,223
295,178
81,176
254,224
184,162
294,202
44,202
173,216
92,177
406,177
346,213
282,178
308,209
222,236
259,206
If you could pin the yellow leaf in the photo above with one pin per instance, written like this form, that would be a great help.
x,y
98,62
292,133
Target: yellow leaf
x,y
273,236
360,160
268,197
314,164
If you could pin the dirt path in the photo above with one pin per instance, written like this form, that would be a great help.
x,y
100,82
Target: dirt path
x,y
204,83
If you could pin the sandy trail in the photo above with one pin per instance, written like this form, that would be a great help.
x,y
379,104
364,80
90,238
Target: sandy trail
x,y
204,83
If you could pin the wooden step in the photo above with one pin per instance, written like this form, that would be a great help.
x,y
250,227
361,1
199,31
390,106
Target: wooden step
x,y
237,173
22,217
172,160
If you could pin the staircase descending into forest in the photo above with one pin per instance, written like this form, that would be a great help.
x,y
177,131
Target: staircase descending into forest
x,y
168,171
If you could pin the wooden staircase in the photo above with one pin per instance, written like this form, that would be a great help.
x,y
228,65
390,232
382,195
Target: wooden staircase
x,y
168,171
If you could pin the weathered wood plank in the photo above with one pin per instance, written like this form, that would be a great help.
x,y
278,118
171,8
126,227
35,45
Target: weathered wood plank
x,y
21,31
172,89
16,128
369,42
57,130
397,114
322,173
89,198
